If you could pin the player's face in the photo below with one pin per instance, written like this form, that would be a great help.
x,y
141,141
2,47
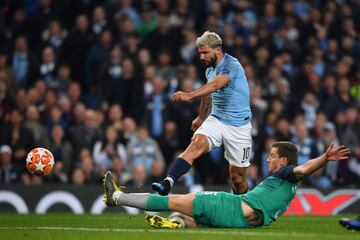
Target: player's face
x,y
208,55
274,161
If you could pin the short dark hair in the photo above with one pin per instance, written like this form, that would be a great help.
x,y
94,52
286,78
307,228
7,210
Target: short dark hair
x,y
288,150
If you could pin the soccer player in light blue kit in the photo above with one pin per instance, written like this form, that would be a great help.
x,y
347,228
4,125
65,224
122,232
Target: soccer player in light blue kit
x,y
224,116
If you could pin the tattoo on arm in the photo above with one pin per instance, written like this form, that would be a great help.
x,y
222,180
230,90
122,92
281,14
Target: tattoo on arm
x,y
205,107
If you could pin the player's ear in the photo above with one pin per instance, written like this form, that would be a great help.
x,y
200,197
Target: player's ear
x,y
284,161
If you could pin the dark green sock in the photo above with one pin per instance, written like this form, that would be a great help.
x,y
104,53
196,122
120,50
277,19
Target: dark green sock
x,y
157,203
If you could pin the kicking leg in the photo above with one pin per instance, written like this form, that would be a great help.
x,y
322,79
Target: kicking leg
x,y
182,164
152,202
238,180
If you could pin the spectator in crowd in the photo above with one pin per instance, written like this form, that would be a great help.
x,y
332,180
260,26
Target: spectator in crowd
x,y
337,106
99,22
19,138
188,48
138,176
125,8
131,46
56,117
62,151
252,176
61,83
129,130
169,143
75,93
148,21
6,103
106,149
325,177
22,62
304,143
87,166
54,35
121,176
49,101
86,133
143,151
48,66
164,37
7,75
109,74
41,89
78,114
37,128
39,20
9,173
183,113
98,53
75,48
157,109
157,172
310,106
78,177
21,100
114,117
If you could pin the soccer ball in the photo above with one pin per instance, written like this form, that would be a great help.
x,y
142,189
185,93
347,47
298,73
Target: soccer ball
x,y
40,161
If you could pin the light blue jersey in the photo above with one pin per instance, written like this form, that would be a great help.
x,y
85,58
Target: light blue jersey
x,y
231,103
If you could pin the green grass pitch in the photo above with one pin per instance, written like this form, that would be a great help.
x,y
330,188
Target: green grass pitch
x,y
64,226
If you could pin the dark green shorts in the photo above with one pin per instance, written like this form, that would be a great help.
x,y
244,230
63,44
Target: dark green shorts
x,y
218,209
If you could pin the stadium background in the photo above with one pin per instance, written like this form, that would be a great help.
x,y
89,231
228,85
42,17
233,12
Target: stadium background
x,y
91,80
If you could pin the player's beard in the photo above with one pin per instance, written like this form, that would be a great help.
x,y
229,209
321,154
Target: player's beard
x,y
212,61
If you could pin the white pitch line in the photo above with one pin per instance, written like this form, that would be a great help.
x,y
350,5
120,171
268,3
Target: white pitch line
x,y
204,232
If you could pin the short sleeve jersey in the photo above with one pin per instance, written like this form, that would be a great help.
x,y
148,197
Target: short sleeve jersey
x,y
231,103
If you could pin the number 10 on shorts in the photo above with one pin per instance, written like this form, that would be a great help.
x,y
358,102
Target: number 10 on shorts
x,y
246,154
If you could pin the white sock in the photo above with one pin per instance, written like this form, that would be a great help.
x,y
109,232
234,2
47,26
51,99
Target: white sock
x,y
177,218
116,195
170,180
137,200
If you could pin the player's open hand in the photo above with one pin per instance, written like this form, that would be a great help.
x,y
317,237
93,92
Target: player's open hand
x,y
196,123
181,96
336,154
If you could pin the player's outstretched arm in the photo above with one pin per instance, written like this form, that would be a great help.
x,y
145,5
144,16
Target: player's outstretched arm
x,y
331,154
204,111
218,82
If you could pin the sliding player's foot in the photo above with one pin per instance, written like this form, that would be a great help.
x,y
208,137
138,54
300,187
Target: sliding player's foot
x,y
163,188
160,222
109,188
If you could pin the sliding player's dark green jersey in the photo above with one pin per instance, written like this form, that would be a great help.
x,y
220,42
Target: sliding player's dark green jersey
x,y
274,194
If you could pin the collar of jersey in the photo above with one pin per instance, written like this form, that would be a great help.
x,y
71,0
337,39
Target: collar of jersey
x,y
222,61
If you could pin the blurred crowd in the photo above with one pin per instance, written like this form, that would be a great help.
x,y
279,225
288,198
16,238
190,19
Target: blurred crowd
x,y
91,80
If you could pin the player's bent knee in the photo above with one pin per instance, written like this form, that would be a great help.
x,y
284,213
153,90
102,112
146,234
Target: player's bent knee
x,y
238,179
198,145
200,140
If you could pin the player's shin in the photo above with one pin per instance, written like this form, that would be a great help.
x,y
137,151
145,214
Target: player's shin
x,y
146,201
177,169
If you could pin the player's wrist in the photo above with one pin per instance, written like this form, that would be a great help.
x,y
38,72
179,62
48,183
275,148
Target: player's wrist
x,y
191,95
326,156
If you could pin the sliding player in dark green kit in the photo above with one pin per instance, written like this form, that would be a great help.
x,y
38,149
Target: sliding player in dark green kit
x,y
259,207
